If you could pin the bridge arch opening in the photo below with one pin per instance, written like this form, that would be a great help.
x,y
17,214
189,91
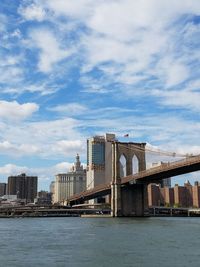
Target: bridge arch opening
x,y
122,162
135,165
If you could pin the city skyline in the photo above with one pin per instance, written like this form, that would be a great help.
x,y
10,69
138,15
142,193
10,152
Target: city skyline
x,y
75,69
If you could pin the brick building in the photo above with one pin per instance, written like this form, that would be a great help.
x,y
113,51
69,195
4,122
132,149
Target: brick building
x,y
180,196
25,187
196,195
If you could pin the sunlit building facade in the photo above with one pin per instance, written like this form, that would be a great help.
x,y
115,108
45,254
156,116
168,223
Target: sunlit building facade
x,y
99,161
99,157
70,183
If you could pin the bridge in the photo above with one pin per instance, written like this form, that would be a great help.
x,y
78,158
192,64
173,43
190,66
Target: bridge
x,y
129,194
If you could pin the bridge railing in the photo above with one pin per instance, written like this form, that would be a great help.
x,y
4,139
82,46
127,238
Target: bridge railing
x,y
164,166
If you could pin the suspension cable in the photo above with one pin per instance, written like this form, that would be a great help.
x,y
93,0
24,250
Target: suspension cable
x,y
159,151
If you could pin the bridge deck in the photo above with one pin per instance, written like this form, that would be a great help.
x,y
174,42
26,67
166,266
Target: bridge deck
x,y
166,170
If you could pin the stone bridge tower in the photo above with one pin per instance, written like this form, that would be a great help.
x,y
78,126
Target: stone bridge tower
x,y
127,159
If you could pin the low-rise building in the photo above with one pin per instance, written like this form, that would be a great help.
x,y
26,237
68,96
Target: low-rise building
x,y
43,198
179,196
196,195
183,195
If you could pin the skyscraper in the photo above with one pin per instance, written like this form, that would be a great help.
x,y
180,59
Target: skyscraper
x,y
99,157
25,187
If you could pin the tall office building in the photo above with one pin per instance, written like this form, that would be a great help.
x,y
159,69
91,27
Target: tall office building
x,y
99,157
25,187
70,183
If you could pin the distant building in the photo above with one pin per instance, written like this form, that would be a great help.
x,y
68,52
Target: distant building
x,y
43,198
99,160
196,195
70,183
25,187
183,195
179,196
3,187
52,191
153,195
164,182
167,194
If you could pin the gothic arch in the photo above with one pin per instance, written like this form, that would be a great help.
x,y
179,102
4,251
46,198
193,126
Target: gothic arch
x,y
135,164
123,165
134,154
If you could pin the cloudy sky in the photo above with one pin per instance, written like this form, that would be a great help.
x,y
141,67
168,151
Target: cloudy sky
x,y
73,69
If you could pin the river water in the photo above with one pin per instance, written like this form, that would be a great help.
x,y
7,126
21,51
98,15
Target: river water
x,y
102,242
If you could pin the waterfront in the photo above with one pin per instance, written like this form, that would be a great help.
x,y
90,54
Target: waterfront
x,y
99,242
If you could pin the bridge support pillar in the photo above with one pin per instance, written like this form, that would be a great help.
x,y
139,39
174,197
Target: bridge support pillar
x,y
128,200
115,200
134,200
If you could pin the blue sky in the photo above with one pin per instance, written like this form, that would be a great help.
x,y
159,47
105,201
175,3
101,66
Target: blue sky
x,y
74,69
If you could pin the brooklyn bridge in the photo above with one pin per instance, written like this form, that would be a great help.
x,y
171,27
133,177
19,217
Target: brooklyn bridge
x,y
128,194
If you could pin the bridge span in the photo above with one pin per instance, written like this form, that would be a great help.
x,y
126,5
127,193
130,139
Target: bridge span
x,y
155,174
129,194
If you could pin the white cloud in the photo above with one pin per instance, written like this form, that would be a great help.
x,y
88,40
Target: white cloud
x,y
15,111
51,51
32,12
134,38
177,73
17,150
67,147
171,71
79,9
44,139
11,169
7,61
123,16
11,74
179,98
42,88
70,109
62,167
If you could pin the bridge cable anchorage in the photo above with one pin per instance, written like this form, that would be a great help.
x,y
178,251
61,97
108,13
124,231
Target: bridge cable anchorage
x,y
159,151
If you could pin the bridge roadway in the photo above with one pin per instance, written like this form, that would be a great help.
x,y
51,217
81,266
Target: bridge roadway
x,y
166,170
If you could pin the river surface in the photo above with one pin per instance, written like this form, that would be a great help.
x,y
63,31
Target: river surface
x,y
102,242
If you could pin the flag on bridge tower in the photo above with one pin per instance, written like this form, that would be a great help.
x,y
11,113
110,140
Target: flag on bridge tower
x,y
126,135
